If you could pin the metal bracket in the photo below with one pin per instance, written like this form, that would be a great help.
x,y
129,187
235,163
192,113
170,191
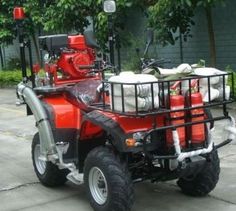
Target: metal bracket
x,y
74,176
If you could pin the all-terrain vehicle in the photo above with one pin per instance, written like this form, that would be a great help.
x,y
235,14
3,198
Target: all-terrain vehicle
x,y
113,133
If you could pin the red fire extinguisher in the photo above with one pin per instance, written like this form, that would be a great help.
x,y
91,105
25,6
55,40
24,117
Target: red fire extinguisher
x,y
197,131
176,102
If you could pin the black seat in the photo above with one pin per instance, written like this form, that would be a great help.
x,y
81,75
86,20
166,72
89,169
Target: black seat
x,y
90,39
49,90
83,93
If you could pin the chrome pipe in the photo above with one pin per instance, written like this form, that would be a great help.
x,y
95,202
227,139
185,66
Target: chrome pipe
x,y
47,144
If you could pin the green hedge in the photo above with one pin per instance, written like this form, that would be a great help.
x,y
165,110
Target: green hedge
x,y
10,78
230,70
230,83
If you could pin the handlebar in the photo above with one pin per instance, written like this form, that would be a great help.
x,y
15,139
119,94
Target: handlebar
x,y
98,67
84,67
153,62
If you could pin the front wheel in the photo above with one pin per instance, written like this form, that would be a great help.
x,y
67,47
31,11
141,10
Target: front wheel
x,y
108,182
205,181
48,173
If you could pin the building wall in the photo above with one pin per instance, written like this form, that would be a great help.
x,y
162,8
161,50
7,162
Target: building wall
x,y
13,52
225,37
197,47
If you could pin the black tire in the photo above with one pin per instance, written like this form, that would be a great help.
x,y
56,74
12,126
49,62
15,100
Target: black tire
x,y
116,181
204,182
51,175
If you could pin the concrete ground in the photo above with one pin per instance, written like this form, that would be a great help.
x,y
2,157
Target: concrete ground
x,y
20,189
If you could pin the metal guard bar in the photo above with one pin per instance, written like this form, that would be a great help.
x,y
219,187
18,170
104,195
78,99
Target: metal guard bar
x,y
181,156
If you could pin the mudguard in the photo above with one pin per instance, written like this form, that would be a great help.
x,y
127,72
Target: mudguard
x,y
110,126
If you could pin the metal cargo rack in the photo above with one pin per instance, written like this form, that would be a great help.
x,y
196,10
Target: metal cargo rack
x,y
164,97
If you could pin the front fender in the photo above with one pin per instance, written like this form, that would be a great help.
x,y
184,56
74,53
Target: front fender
x,y
110,126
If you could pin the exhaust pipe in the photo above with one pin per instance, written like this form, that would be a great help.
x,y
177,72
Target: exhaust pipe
x,y
48,149
47,144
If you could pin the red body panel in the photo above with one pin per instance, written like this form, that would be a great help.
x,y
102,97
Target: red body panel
x,y
135,124
90,131
65,114
68,116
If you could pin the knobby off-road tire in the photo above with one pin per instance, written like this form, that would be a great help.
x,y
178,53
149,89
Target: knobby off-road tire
x,y
47,172
108,182
205,181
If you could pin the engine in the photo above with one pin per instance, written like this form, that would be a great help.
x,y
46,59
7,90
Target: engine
x,y
70,58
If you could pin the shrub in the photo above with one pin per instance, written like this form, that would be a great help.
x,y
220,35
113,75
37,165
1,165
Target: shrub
x,y
230,70
10,78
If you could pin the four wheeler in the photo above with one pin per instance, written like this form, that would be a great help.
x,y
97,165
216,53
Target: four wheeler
x,y
112,134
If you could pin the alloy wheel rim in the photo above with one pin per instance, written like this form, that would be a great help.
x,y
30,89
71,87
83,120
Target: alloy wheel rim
x,y
40,164
98,185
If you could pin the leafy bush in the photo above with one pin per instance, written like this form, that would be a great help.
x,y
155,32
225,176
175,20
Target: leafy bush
x,y
10,78
230,70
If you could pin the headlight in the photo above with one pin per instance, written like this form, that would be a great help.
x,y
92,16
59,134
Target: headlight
x,y
137,139
109,6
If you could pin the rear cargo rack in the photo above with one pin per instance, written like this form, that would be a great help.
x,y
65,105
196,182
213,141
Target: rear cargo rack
x,y
115,95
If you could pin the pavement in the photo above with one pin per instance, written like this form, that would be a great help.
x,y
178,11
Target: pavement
x,y
20,189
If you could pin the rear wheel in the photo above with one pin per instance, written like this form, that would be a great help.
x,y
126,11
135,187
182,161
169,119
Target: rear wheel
x,y
108,182
48,173
204,182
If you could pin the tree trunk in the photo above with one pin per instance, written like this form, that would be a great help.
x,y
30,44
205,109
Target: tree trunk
x,y
211,35
181,47
35,43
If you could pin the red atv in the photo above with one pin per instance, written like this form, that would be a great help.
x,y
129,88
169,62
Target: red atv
x,y
113,133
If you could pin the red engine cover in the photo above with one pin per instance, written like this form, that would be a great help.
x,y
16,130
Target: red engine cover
x,y
70,62
77,42
82,55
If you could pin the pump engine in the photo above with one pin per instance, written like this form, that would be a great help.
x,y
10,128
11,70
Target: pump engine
x,y
69,58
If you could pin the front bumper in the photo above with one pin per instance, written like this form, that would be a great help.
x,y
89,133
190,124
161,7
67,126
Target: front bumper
x,y
181,156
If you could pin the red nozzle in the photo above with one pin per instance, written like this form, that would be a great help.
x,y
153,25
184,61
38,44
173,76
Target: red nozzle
x,y
173,88
51,68
36,68
194,83
175,85
19,13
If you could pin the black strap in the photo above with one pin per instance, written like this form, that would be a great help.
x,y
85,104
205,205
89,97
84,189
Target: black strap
x,y
41,120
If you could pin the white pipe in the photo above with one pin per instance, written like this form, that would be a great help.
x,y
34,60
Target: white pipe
x,y
183,155
175,136
231,129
